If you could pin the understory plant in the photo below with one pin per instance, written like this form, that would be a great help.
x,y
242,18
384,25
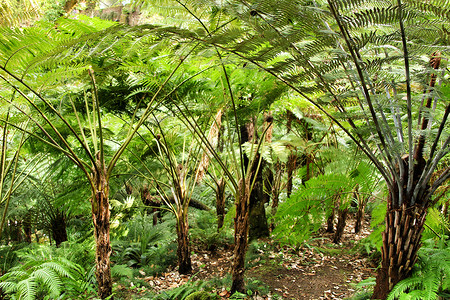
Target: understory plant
x,y
147,247
43,271
430,278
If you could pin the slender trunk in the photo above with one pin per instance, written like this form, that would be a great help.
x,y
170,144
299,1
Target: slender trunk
x,y
27,228
258,227
183,251
241,227
330,220
291,166
308,158
220,203
276,189
342,217
101,217
292,159
359,217
401,241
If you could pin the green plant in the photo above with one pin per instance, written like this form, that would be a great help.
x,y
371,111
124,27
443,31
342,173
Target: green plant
x,y
204,231
238,295
119,271
379,75
257,253
79,129
38,274
431,275
201,295
181,292
303,213
256,287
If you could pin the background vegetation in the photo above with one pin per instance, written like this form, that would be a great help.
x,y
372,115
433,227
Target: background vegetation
x,y
137,134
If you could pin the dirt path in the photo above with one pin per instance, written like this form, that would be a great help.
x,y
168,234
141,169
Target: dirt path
x,y
321,271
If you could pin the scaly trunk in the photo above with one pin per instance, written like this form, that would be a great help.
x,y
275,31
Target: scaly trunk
x,y
258,227
100,217
183,252
330,220
405,218
257,213
359,217
276,189
291,166
241,227
401,241
220,203
342,217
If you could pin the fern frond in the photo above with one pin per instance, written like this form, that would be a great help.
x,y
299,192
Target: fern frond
x,y
48,277
8,287
27,289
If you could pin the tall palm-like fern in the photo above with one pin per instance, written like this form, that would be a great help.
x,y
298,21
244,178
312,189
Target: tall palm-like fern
x,y
36,67
376,64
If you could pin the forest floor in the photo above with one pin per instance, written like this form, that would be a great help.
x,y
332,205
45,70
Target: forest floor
x,y
322,270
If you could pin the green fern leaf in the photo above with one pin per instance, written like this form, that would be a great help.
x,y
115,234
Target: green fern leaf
x,y
50,279
27,289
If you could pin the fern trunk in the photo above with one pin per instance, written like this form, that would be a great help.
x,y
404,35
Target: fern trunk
x,y
258,226
359,217
241,227
401,241
330,220
101,218
183,251
27,229
291,166
276,189
342,217
220,203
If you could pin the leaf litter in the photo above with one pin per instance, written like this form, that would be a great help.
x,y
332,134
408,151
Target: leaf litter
x,y
309,272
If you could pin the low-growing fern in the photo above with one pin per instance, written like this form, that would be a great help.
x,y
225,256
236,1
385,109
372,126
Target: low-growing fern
x,y
44,270
38,274
430,278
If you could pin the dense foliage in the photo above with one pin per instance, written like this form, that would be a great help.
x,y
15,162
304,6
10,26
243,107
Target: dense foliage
x,y
132,141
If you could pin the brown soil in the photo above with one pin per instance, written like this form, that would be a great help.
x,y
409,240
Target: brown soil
x,y
320,271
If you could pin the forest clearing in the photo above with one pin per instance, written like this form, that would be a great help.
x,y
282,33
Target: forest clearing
x,y
224,149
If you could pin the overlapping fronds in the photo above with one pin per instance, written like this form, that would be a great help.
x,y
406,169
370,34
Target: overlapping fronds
x,y
39,274
17,13
430,279
371,55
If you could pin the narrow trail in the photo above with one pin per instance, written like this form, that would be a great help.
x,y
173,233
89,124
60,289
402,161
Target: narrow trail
x,y
320,271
